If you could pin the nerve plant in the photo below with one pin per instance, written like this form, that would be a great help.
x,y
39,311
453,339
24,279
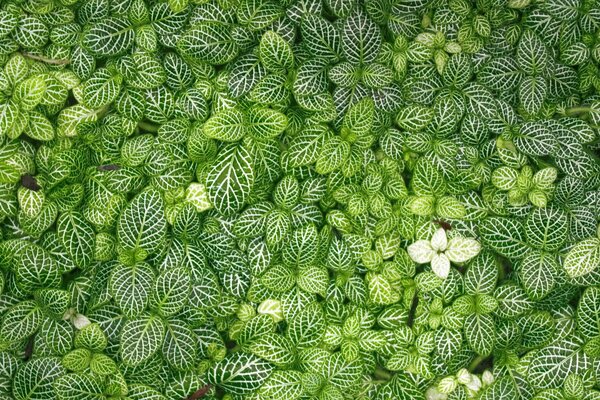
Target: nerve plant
x,y
299,199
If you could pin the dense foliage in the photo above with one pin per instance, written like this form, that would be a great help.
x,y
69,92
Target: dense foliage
x,y
299,199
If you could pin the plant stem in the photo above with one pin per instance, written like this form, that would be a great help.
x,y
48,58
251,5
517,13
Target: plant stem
x,y
577,110
382,375
148,127
483,362
45,59
101,112
476,362
199,393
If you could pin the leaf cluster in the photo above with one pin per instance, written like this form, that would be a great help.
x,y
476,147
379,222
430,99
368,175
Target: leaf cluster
x,y
299,199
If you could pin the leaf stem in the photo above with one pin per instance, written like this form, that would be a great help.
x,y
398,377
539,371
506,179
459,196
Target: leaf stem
x,y
199,393
52,61
101,112
577,110
148,127
480,363
476,362
382,375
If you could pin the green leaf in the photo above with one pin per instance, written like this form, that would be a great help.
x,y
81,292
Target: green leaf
x,y
283,385
78,386
142,226
511,301
588,313
180,345
321,37
231,178
21,321
504,388
275,53
505,178
265,123
546,228
36,268
71,118
313,279
505,236
246,72
228,125
131,287
141,337
272,89
359,118
274,348
333,154
30,32
109,37
257,15
78,237
58,334
305,148
301,250
537,274
427,180
34,380
414,118
380,290
583,258
311,78
551,365
39,128
102,365
342,374
92,338
307,327
532,92
361,39
449,207
29,93
479,331
171,291
480,277
9,113
101,88
30,201
239,373
535,139
149,72
480,101
209,42
137,391
531,54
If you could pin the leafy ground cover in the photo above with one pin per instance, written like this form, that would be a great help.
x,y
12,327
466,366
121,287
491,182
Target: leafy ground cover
x,y
299,199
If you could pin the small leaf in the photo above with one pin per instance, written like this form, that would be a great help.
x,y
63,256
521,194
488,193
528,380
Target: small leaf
x,y
239,373
228,125
110,37
583,258
78,387
231,178
275,53
462,249
141,337
78,237
143,226
440,265
209,42
421,251
264,123
71,118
